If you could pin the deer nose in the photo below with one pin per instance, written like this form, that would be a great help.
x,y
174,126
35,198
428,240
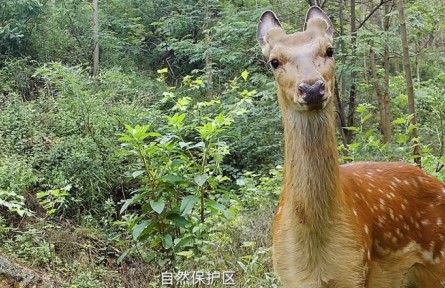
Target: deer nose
x,y
312,94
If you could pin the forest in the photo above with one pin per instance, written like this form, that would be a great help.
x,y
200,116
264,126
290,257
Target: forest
x,y
141,143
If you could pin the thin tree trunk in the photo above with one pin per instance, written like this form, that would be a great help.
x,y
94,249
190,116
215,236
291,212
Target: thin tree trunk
x,y
387,134
352,91
409,83
385,125
382,96
95,37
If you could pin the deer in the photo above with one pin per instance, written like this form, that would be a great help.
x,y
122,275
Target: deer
x,y
364,224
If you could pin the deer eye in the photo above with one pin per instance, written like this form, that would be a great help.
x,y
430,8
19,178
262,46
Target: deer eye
x,y
330,52
274,63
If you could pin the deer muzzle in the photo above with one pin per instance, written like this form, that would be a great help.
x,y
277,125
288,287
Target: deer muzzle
x,y
313,95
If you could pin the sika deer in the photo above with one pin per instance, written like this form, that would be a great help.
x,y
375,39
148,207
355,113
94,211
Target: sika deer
x,y
356,225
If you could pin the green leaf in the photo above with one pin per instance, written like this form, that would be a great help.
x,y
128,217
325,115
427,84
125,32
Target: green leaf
x,y
352,128
173,179
361,109
185,241
179,221
219,119
158,206
213,205
399,121
184,144
137,173
167,241
201,179
245,74
187,204
186,254
138,229
130,201
41,195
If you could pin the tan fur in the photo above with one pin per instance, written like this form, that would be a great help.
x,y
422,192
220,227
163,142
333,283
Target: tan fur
x,y
377,225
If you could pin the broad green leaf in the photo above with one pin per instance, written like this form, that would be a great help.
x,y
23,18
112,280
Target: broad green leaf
x,y
184,241
240,182
201,179
212,204
130,201
167,241
137,230
137,173
179,221
187,204
158,206
173,179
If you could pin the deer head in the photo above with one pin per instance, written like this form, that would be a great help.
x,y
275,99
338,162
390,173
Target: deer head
x,y
302,62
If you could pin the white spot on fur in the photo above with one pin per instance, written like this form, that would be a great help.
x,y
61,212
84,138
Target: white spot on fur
x,y
366,229
428,255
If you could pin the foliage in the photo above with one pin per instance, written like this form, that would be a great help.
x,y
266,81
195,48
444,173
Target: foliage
x,y
170,157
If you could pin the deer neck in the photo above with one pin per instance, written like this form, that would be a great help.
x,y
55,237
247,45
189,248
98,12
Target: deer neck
x,y
311,173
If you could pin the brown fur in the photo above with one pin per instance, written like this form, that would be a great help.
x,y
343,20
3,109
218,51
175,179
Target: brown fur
x,y
377,225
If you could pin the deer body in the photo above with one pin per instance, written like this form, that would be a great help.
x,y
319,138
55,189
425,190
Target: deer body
x,y
356,225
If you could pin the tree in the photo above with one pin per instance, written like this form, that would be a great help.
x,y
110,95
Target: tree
x,y
409,83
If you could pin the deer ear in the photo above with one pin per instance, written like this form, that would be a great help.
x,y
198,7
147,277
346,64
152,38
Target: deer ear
x,y
316,12
267,21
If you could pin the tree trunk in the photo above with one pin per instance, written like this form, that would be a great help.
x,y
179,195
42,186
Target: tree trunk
x,y
385,124
382,94
352,91
340,85
387,132
409,83
95,37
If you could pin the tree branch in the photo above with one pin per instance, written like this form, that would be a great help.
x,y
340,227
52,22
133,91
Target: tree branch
x,y
382,2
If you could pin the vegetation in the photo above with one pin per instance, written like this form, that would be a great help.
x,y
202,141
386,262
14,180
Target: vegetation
x,y
168,160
